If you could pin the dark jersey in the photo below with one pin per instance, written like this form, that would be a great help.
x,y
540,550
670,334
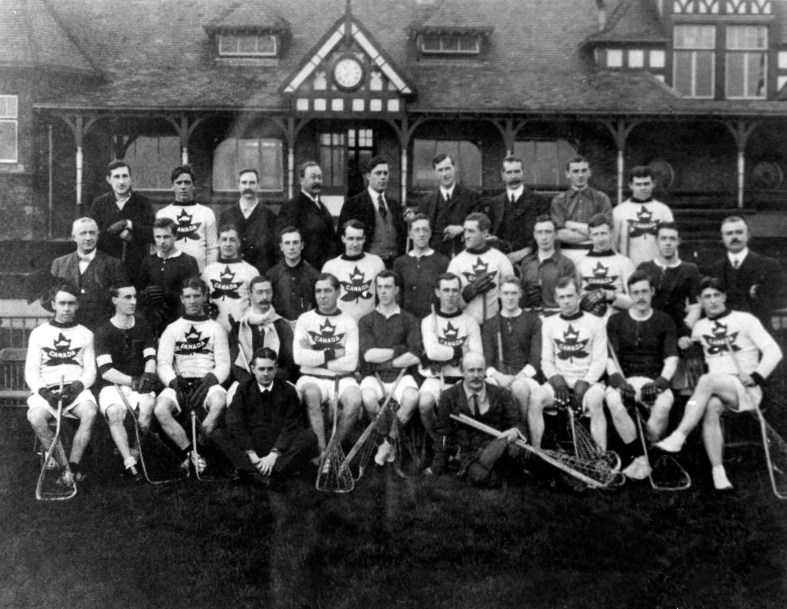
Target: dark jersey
x,y
676,286
124,350
642,346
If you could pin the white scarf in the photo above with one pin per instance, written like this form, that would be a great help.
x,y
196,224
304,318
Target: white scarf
x,y
245,341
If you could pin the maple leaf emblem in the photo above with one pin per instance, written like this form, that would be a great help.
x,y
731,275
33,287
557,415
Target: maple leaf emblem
x,y
194,343
451,336
187,229
326,338
479,267
571,347
717,342
357,288
599,278
61,352
225,287
644,224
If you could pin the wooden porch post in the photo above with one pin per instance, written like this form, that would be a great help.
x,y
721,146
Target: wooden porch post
x,y
620,129
79,127
741,130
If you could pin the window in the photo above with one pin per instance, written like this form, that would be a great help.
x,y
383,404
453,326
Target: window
x,y
694,60
450,44
746,61
8,128
657,59
248,45
235,154
466,154
636,58
545,162
332,157
151,160
614,58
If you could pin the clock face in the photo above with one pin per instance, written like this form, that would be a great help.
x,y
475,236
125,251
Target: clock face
x,y
347,73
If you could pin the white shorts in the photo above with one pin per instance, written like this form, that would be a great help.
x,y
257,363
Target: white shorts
x,y
532,384
594,395
749,398
432,386
36,401
326,386
665,398
370,383
170,394
108,396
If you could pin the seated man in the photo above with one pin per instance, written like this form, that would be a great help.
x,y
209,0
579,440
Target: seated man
x,y
512,346
61,352
390,340
734,379
261,326
325,346
193,362
479,452
265,437
645,344
573,357
447,334
126,357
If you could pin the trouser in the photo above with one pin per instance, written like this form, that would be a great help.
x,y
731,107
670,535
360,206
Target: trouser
x,y
302,447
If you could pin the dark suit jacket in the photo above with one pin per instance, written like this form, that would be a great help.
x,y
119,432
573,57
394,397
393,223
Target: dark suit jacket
x,y
257,234
360,207
286,369
95,304
137,209
463,201
316,225
757,269
502,415
263,423
519,231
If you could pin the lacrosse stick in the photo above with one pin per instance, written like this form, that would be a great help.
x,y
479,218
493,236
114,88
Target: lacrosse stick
x,y
500,343
159,462
773,444
361,452
666,474
594,475
399,440
333,475
56,481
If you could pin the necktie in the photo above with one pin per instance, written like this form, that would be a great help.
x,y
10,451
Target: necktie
x,y
382,208
474,404
447,197
513,199
736,263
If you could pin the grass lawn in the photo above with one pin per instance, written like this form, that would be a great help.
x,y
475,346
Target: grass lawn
x,y
390,543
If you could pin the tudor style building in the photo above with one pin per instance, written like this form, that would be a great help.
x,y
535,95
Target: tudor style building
x,y
695,88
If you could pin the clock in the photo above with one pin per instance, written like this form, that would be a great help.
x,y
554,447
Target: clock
x,y
347,73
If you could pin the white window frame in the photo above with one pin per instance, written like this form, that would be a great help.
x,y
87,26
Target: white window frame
x,y
693,52
446,51
9,115
232,185
746,52
256,53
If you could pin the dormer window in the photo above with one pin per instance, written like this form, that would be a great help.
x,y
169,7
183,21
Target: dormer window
x,y
248,45
450,43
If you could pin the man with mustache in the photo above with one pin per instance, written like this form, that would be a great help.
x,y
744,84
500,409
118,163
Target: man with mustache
x,y
255,222
753,282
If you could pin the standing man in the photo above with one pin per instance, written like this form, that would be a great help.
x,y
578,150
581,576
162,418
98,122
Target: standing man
x,y
193,361
573,358
513,213
645,344
571,210
255,222
419,269
61,351
447,334
636,220
355,270
512,346
196,223
126,358
92,272
310,216
228,278
382,216
447,207
480,268
325,346
292,278
390,339
724,388
753,282
541,270
124,218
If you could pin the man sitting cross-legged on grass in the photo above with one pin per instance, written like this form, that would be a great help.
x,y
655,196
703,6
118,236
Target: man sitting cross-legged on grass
x,y
733,381
478,451
573,357
193,361
265,437
61,351
512,346
325,346
126,359
390,340
644,342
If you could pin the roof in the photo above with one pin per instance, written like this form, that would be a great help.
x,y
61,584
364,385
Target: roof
x,y
631,21
159,56
248,16
457,15
32,36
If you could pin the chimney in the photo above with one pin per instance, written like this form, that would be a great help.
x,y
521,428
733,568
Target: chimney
x,y
601,7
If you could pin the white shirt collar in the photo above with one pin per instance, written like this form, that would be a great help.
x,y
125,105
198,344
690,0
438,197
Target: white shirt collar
x,y
87,257
447,192
374,195
265,389
173,255
395,311
740,256
675,264
415,254
517,192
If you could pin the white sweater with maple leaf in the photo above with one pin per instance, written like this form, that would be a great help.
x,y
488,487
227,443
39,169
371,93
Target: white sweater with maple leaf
x,y
191,347
574,347
356,280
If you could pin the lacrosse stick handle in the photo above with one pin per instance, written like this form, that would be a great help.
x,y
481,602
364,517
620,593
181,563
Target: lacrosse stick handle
x,y
733,357
124,399
389,396
55,439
